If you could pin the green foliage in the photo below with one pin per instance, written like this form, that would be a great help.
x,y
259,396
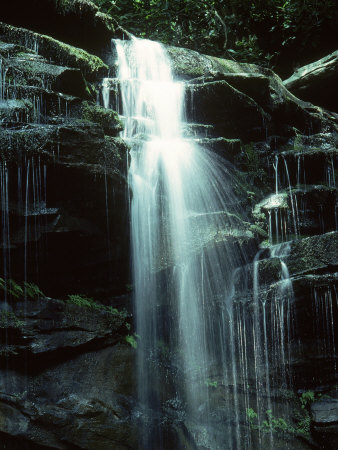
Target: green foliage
x,y
267,32
32,290
14,289
210,383
251,413
130,339
303,425
275,424
89,302
307,398
272,424
17,291
84,301
255,173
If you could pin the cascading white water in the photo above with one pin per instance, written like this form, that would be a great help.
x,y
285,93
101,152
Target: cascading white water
x,y
182,264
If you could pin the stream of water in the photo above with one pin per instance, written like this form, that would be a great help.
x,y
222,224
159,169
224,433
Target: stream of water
x,y
182,264
194,341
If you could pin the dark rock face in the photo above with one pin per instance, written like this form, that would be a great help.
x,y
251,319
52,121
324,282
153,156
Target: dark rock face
x,y
316,82
48,338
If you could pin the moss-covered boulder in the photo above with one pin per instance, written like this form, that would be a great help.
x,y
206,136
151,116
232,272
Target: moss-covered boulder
x,y
188,64
30,69
108,119
60,52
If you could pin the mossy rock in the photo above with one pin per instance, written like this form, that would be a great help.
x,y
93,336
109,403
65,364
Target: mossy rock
x,y
106,118
315,254
189,64
63,54
27,69
16,111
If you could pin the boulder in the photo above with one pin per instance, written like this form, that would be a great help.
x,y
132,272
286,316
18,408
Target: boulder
x,y
29,68
317,82
60,52
188,64
314,254
219,104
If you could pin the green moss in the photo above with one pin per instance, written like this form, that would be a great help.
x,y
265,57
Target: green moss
x,y
191,64
64,54
107,118
228,66
67,6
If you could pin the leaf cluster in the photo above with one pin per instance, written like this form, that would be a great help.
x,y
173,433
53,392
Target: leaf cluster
x,y
20,291
89,302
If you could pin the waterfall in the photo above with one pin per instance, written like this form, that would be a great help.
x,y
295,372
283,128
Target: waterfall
x,y
181,225
197,340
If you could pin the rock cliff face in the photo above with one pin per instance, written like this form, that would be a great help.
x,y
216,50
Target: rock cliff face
x,y
67,370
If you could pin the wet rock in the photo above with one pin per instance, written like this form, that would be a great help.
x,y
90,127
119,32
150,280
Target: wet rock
x,y
316,82
314,254
196,130
325,412
29,69
43,326
107,118
221,105
308,163
227,148
325,420
189,64
78,22
78,372
80,172
60,52
16,111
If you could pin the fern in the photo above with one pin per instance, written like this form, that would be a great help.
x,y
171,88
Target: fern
x,y
32,290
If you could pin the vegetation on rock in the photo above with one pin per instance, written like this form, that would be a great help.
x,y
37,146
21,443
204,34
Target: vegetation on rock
x,y
275,33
